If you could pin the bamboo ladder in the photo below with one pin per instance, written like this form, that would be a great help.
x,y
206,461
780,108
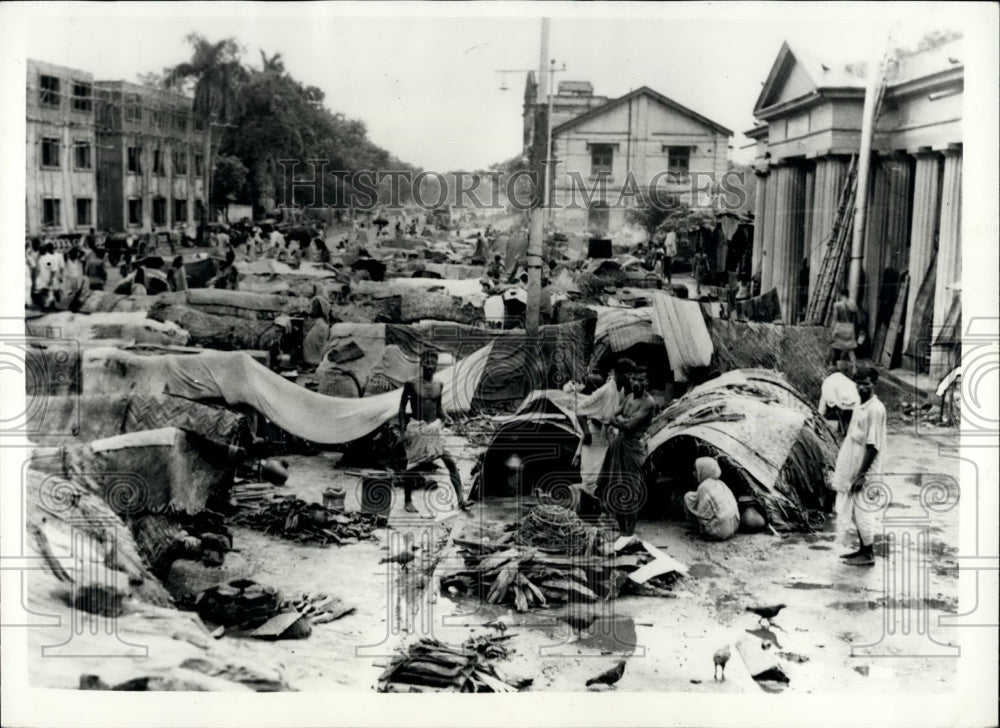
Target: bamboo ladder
x,y
836,258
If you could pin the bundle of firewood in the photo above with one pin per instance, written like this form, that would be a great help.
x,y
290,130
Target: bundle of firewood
x,y
297,520
499,571
429,665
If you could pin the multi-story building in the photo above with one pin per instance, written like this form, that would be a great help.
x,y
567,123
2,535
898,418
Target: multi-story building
x,y
604,150
60,182
809,125
150,160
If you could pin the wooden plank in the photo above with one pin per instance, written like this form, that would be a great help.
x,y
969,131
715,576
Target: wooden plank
x,y
923,306
888,344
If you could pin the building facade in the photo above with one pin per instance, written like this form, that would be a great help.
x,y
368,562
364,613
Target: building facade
x,y
605,151
150,161
60,180
809,125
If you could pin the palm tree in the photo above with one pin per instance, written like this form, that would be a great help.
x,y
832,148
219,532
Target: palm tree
x,y
218,74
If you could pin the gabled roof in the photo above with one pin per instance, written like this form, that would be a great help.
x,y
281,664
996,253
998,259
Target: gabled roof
x,y
656,96
822,74
829,75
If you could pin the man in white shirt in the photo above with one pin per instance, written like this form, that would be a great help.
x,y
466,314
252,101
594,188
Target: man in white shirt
x,y
860,461
839,396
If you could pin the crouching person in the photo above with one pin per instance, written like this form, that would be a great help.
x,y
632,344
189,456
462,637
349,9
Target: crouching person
x,y
713,505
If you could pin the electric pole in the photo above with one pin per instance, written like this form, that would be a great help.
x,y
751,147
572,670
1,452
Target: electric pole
x,y
536,226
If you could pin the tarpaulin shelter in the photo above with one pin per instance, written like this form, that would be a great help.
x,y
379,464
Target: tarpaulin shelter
x,y
769,441
235,379
542,436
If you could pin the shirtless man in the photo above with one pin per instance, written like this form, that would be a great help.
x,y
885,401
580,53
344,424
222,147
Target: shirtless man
x,y
620,483
423,435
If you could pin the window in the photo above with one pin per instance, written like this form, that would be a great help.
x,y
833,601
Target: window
x,y
678,160
133,107
199,165
82,97
84,212
81,155
50,152
156,117
180,210
601,158
48,90
51,214
180,162
134,160
159,210
199,124
180,120
159,168
135,211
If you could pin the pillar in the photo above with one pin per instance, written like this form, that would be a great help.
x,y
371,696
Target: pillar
x,y
922,228
760,222
829,184
789,194
949,264
875,240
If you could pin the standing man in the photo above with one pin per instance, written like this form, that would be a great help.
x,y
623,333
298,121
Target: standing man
x,y
861,457
621,484
669,253
844,329
424,434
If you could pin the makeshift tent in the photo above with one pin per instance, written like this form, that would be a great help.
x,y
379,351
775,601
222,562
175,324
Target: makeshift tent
x,y
127,328
530,450
770,443
77,418
236,379
146,472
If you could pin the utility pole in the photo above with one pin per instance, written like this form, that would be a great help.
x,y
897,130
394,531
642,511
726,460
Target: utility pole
x,y
537,222
875,80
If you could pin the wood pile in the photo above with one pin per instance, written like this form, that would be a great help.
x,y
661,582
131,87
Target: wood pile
x,y
296,520
505,570
432,666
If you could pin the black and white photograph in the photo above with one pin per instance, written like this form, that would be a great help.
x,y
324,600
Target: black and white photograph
x,y
375,354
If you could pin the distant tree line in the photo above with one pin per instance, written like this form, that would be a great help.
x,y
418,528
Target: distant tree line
x,y
258,118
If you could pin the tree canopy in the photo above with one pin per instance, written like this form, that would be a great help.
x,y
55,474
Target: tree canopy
x,y
273,125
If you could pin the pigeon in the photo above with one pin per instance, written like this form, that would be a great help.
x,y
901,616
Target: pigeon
x,y
768,612
721,658
403,558
610,677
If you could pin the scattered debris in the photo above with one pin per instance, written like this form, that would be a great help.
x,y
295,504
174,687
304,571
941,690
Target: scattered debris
x,y
432,666
296,520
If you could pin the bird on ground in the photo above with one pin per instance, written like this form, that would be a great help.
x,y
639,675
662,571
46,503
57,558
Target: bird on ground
x,y
767,612
403,558
721,658
609,677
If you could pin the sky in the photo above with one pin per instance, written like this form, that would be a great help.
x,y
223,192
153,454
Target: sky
x,y
423,76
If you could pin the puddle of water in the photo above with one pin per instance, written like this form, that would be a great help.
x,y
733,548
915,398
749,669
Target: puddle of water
x,y
807,585
855,606
611,635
